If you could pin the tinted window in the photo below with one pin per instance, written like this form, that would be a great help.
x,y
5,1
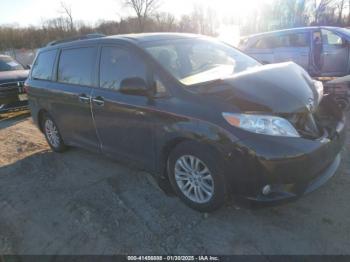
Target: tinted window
x,y
76,66
283,41
167,56
299,40
118,64
42,68
265,43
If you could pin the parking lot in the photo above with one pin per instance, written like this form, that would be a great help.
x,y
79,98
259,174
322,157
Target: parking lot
x,y
84,203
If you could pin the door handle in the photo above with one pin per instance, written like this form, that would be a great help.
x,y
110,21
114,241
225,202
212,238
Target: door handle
x,y
99,101
84,99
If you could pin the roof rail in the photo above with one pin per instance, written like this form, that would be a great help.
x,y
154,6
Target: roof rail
x,y
71,39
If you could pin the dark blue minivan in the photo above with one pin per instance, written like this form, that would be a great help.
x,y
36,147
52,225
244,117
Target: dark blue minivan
x,y
204,116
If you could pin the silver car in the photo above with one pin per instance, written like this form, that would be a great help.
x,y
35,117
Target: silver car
x,y
322,51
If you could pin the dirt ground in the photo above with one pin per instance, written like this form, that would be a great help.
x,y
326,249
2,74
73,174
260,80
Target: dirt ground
x,y
84,203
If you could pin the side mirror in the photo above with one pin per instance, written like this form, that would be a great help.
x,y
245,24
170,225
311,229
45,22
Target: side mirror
x,y
28,67
134,86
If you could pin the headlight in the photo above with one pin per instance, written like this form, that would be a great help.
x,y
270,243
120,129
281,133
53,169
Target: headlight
x,y
262,124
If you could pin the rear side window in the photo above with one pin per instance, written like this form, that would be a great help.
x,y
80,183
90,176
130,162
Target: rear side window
x,y
118,64
283,41
76,66
299,40
43,65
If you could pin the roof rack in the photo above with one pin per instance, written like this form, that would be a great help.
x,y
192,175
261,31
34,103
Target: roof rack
x,y
71,39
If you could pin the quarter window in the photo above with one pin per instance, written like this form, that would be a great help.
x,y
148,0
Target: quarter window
x,y
118,64
43,65
76,66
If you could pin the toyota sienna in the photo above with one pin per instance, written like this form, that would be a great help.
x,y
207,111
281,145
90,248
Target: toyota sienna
x,y
196,111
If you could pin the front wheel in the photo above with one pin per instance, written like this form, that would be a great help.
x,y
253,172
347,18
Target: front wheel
x,y
195,175
52,134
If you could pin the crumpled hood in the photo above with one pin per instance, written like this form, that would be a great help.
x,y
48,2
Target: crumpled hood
x,y
278,88
13,76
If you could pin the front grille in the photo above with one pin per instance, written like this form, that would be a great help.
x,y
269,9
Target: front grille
x,y
11,87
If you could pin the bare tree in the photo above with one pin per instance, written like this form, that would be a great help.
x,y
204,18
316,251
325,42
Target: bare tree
x,y
67,10
349,13
294,11
165,22
143,9
340,4
320,7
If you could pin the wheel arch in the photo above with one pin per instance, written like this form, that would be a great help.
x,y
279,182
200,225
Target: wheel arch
x,y
40,116
171,144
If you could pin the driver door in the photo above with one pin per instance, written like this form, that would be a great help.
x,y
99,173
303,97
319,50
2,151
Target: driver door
x,y
124,122
335,54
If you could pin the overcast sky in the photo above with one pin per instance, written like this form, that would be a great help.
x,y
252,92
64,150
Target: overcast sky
x,y
32,12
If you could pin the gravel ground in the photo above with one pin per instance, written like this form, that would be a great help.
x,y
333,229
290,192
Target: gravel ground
x,y
84,203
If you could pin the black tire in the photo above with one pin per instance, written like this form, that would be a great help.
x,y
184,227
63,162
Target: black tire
x,y
212,160
57,146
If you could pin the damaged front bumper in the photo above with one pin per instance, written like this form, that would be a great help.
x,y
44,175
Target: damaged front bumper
x,y
282,168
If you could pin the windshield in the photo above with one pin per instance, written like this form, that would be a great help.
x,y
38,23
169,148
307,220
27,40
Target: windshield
x,y
9,64
194,61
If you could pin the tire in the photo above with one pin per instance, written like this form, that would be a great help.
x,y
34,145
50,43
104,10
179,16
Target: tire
x,y
52,134
197,179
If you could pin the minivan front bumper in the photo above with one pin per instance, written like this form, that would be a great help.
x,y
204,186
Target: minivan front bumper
x,y
290,167
12,96
281,192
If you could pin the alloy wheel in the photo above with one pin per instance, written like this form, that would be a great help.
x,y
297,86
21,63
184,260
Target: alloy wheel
x,y
194,179
52,133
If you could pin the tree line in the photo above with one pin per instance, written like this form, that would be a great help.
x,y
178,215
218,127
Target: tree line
x,y
277,14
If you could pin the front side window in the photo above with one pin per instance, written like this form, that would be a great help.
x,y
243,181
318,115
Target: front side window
x,y
194,61
43,65
330,38
76,66
7,63
118,64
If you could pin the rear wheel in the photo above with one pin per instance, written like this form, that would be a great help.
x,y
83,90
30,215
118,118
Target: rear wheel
x,y
52,134
195,175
